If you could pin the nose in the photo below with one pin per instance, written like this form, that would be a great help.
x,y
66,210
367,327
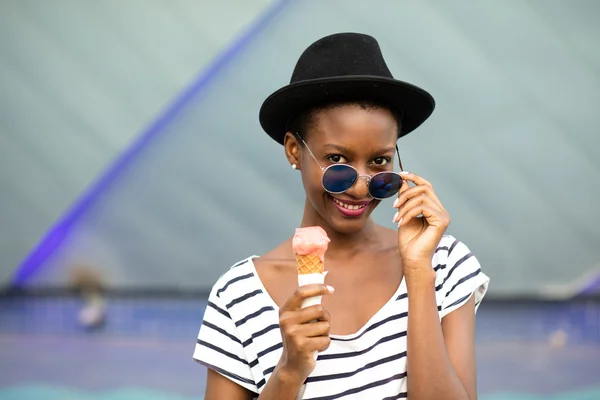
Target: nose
x,y
360,189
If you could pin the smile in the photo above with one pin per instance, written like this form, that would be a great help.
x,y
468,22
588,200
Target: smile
x,y
349,210
349,206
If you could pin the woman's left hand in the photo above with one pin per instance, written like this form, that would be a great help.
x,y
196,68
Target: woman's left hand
x,y
422,222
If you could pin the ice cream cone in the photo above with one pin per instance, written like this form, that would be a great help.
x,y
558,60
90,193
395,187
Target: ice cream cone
x,y
309,245
309,264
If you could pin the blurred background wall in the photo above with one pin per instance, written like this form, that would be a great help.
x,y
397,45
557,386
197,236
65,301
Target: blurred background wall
x,y
95,171
130,143
81,82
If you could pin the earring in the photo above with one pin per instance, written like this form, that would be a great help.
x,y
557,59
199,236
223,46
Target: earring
x,y
294,166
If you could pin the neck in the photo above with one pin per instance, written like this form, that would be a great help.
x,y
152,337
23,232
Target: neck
x,y
341,242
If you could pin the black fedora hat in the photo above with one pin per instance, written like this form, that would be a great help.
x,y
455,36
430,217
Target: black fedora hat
x,y
343,67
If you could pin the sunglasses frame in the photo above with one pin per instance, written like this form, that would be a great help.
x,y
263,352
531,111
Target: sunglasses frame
x,y
358,175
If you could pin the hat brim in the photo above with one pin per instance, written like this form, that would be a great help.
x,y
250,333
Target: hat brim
x,y
415,103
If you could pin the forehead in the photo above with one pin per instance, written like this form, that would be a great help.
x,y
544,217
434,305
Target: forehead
x,y
354,126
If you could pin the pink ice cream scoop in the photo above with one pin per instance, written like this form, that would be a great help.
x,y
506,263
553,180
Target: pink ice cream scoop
x,y
311,240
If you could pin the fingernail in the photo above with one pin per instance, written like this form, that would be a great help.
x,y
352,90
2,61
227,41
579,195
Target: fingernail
x,y
404,172
330,288
395,216
396,202
399,222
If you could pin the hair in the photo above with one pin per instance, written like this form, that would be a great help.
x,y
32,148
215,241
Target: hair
x,y
306,120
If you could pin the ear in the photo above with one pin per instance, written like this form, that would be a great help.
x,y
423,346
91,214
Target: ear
x,y
292,149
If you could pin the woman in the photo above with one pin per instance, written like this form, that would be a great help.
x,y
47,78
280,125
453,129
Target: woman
x,y
344,109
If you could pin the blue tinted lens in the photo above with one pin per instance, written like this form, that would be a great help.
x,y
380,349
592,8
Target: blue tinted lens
x,y
339,178
384,185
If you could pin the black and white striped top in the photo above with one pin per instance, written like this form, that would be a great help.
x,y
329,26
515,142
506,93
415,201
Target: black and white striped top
x,y
240,336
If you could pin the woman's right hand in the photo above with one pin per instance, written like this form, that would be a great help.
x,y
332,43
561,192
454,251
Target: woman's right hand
x,y
303,331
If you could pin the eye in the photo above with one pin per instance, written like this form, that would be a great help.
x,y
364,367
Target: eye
x,y
336,159
380,161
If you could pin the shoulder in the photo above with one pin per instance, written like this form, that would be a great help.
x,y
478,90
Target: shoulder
x,y
458,275
274,267
448,244
450,249
452,254
277,272
220,345
276,263
233,281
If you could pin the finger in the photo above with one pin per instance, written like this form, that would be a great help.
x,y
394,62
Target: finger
x,y
291,321
304,292
415,191
314,329
414,178
419,182
421,199
320,343
290,318
403,188
431,215
312,313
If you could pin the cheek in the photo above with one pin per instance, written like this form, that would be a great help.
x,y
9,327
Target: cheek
x,y
312,183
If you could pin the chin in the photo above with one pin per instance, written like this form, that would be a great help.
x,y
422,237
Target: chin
x,y
348,228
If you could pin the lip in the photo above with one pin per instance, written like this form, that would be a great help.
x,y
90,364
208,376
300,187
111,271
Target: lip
x,y
351,213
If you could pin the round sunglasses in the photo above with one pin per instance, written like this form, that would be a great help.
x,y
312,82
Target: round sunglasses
x,y
338,178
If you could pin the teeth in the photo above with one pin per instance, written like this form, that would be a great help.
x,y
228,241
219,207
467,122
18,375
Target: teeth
x,y
349,206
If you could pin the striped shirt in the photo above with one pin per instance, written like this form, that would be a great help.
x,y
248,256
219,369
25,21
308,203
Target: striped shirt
x,y
240,337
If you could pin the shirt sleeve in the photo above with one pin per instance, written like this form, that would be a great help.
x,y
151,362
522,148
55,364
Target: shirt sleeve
x,y
462,278
218,346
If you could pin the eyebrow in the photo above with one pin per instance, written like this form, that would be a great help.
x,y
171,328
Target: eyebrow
x,y
343,149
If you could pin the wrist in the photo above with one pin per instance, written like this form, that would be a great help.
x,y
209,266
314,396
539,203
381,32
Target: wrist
x,y
284,384
288,376
419,274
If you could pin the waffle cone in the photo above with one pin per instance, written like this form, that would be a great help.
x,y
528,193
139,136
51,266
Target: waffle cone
x,y
309,264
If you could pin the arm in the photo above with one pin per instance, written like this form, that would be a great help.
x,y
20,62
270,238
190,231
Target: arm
x,y
441,360
441,357
280,386
304,330
219,387
219,347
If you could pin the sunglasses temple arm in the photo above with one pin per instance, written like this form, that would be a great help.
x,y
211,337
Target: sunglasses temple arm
x,y
399,160
311,153
317,161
